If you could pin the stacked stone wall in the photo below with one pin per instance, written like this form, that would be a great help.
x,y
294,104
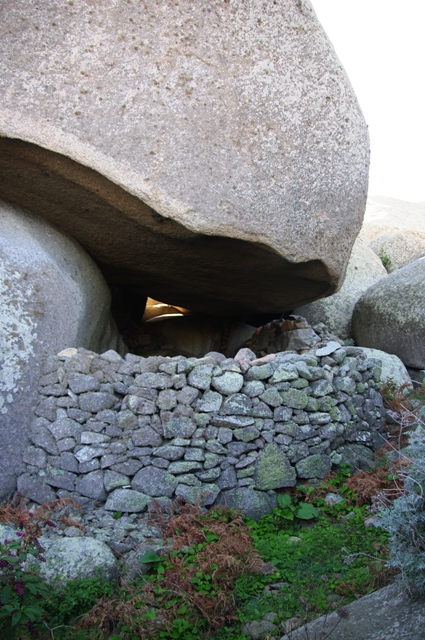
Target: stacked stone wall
x,y
124,431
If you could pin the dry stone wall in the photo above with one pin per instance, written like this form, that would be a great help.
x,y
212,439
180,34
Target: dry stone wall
x,y
215,429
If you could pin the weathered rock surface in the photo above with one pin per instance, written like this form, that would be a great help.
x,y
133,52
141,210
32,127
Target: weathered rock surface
x,y
390,315
385,614
52,295
364,269
80,557
176,144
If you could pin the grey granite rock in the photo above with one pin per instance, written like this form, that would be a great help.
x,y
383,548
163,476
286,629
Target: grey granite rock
x,y
91,485
155,482
127,500
273,470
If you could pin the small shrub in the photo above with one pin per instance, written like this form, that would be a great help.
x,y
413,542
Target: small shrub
x,y
23,593
404,519
385,258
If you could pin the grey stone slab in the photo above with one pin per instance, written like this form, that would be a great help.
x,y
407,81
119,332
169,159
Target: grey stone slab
x,y
169,452
96,401
386,614
228,383
85,454
35,488
247,434
128,468
273,470
259,372
232,422
187,395
146,437
209,475
237,404
294,398
195,454
113,480
127,500
141,405
315,466
61,479
68,462
321,388
90,437
284,373
154,380
254,504
211,401
262,410
167,400
282,414
184,466
206,494
67,444
182,427
81,383
65,427
214,446
87,467
44,439
271,397
155,482
253,388
227,479
91,485
225,435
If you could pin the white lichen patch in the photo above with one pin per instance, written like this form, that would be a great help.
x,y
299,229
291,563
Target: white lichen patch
x,y
17,332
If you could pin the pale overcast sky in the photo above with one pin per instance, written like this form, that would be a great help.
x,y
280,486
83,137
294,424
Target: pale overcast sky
x,y
381,44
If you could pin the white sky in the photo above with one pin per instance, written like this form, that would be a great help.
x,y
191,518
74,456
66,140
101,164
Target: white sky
x,y
381,44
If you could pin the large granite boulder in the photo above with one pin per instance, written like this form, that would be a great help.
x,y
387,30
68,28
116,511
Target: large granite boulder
x,y
364,269
52,296
390,315
212,155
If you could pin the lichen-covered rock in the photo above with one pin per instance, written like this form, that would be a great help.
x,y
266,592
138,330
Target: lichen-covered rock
x,y
273,470
254,504
41,271
191,138
127,500
77,558
390,315
315,466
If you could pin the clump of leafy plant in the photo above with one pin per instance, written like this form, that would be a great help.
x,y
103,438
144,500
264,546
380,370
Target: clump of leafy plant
x,y
24,595
23,592
404,519
290,508
385,258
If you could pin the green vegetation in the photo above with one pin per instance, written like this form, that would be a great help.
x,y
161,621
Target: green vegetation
x,y
385,258
303,560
